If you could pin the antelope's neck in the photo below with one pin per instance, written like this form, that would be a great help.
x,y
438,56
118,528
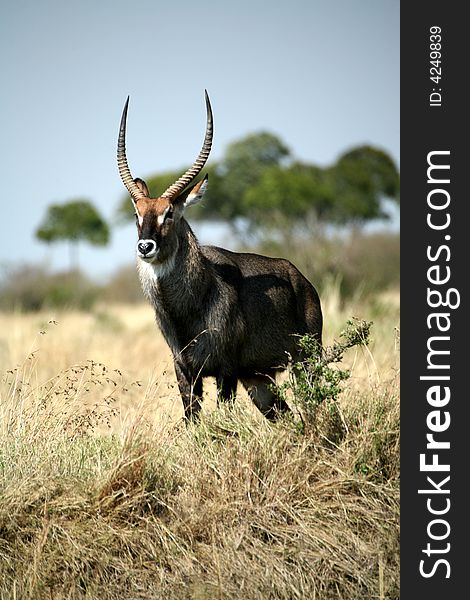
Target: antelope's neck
x,y
177,284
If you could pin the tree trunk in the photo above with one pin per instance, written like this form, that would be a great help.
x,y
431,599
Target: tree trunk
x,y
73,256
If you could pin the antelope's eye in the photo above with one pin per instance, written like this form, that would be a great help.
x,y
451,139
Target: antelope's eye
x,y
165,216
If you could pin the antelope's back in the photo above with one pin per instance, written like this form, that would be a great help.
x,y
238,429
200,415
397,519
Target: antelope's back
x,y
276,301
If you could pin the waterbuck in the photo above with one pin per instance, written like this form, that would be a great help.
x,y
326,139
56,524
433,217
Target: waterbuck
x,y
229,315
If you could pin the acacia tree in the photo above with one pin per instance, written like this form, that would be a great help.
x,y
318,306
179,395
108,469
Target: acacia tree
x,y
75,221
349,192
297,195
363,176
243,165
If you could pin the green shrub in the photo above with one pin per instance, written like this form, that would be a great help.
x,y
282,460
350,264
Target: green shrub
x,y
316,381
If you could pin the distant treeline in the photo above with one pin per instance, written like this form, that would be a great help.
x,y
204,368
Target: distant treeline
x,y
357,263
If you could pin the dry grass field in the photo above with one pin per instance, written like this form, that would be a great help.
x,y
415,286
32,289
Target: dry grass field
x,y
104,493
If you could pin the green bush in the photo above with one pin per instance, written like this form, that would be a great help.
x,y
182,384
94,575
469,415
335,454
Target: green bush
x,y
316,381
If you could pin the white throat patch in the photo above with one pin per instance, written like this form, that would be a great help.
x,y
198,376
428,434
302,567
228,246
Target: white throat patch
x,y
150,273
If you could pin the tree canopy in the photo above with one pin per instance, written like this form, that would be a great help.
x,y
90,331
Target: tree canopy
x,y
75,221
242,167
362,177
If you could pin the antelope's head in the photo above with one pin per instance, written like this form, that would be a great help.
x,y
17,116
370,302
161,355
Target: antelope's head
x,y
157,219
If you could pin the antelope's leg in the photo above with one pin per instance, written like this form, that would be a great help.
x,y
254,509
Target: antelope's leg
x,y
259,388
190,390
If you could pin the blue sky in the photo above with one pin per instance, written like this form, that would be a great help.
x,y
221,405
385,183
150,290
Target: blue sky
x,y
323,75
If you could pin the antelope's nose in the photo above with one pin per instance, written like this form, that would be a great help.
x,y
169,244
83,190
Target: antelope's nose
x,y
146,248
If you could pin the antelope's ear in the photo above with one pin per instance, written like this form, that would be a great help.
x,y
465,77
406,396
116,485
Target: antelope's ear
x,y
194,194
140,183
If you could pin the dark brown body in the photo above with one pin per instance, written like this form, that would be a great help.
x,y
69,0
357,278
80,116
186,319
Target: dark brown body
x,y
232,316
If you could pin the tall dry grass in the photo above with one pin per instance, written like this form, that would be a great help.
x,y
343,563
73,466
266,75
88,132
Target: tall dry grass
x,y
105,494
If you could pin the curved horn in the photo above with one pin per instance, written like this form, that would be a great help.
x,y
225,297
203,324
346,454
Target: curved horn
x,y
123,167
200,161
